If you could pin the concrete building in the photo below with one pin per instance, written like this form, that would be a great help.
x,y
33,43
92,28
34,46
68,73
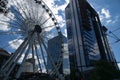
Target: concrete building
x,y
28,66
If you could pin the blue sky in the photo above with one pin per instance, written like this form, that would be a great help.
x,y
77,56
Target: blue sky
x,y
108,11
109,14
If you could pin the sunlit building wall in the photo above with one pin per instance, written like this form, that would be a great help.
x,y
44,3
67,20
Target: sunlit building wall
x,y
66,64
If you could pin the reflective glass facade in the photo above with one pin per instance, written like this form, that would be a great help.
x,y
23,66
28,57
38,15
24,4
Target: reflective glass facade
x,y
86,38
58,50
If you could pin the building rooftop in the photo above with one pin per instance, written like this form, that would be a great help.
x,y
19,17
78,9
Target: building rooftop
x,y
4,52
35,76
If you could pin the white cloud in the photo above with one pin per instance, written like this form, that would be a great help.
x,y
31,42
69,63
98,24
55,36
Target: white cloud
x,y
65,32
116,19
4,28
119,65
106,17
108,21
106,13
56,8
14,44
3,25
101,16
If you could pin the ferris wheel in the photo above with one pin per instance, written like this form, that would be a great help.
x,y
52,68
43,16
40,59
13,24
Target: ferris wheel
x,y
25,31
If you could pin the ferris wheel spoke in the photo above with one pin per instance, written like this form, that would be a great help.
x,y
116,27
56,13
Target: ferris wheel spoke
x,y
17,9
30,41
16,16
45,21
45,38
48,26
23,9
10,60
33,58
37,11
18,23
3,23
22,48
31,24
49,55
42,53
26,7
17,57
8,45
36,50
29,9
20,8
21,38
10,33
41,16
23,61
32,8
18,20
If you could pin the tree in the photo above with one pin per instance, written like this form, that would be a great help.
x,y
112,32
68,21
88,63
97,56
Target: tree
x,y
3,6
104,70
75,74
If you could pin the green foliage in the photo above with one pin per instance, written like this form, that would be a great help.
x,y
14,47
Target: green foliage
x,y
75,74
104,71
3,5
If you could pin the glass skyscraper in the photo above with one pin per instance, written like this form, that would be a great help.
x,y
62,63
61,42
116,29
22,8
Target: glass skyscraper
x,y
59,53
87,41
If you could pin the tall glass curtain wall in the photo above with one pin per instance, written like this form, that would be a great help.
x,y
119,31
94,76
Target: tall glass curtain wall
x,y
71,47
90,42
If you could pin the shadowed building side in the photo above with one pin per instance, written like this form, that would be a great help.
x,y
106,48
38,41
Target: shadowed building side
x,y
86,39
4,55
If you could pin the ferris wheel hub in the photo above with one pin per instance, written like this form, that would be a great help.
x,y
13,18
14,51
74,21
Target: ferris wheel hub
x,y
31,25
38,29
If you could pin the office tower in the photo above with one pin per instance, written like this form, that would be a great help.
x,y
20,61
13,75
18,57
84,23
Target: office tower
x,y
86,37
58,50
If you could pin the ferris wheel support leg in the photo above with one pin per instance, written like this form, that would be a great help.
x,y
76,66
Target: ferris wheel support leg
x,y
38,58
16,61
22,47
33,59
43,56
51,60
6,70
26,54
6,65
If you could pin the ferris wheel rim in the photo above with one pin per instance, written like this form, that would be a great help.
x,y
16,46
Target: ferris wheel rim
x,y
29,44
48,11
